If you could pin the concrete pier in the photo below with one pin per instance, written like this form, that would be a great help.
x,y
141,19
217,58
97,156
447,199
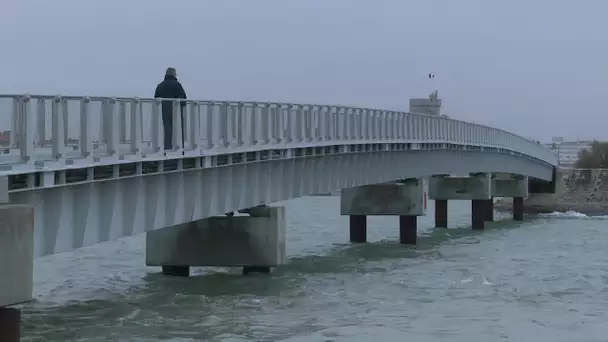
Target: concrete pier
x,y
441,213
256,243
17,265
405,199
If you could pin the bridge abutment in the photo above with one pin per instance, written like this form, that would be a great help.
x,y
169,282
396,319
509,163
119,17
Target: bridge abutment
x,y
256,243
17,266
405,200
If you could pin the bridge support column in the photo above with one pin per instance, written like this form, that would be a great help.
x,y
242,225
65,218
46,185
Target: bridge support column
x,y
478,214
408,229
518,208
358,228
16,264
489,216
256,243
10,324
441,213
405,200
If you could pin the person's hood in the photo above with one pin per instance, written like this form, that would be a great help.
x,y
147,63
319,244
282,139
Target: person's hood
x,y
170,77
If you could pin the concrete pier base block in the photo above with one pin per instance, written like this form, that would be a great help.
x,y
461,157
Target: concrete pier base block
x,y
219,241
478,214
441,213
406,199
16,254
10,324
358,228
460,188
510,187
408,230
518,209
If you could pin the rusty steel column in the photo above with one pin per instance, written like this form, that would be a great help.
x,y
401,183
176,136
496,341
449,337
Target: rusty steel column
x,y
358,228
10,324
518,208
478,214
489,210
441,213
408,229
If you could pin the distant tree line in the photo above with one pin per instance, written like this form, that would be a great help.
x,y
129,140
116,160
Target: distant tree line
x,y
594,157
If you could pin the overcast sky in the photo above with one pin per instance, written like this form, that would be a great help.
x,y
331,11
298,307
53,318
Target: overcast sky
x,y
537,68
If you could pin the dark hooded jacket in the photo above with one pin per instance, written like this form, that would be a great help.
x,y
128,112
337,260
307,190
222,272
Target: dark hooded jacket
x,y
170,88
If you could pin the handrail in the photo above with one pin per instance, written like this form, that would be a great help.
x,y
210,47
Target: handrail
x,y
56,128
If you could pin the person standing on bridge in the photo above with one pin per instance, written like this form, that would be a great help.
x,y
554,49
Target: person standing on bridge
x,y
170,88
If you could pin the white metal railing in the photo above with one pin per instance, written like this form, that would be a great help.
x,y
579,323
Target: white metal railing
x,y
99,128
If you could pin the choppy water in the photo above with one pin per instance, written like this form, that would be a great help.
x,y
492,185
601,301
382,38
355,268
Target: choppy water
x,y
544,279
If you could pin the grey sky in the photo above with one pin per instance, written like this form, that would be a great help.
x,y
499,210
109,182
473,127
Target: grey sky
x,y
537,68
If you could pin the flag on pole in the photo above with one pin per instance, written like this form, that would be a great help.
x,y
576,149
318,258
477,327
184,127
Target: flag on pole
x,y
431,75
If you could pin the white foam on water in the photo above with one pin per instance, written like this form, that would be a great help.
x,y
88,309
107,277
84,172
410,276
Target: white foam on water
x,y
573,215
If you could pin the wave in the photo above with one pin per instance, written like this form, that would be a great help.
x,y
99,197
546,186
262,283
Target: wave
x,y
573,215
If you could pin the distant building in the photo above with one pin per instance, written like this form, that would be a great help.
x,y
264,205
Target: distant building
x,y
567,151
430,105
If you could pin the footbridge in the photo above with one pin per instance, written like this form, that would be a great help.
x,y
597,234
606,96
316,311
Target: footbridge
x,y
77,171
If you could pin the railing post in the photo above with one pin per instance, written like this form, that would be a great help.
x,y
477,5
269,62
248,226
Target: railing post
x,y
26,143
288,115
275,121
352,114
113,141
299,122
306,111
225,115
104,121
15,122
194,125
253,118
240,123
327,123
317,123
41,122
374,116
85,139
122,120
265,123
209,126
66,115
157,130
57,136
343,123
178,137
136,118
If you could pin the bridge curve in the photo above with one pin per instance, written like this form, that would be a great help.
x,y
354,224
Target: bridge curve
x,y
99,170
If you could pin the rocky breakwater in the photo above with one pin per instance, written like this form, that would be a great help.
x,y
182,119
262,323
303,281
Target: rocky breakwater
x,y
581,190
